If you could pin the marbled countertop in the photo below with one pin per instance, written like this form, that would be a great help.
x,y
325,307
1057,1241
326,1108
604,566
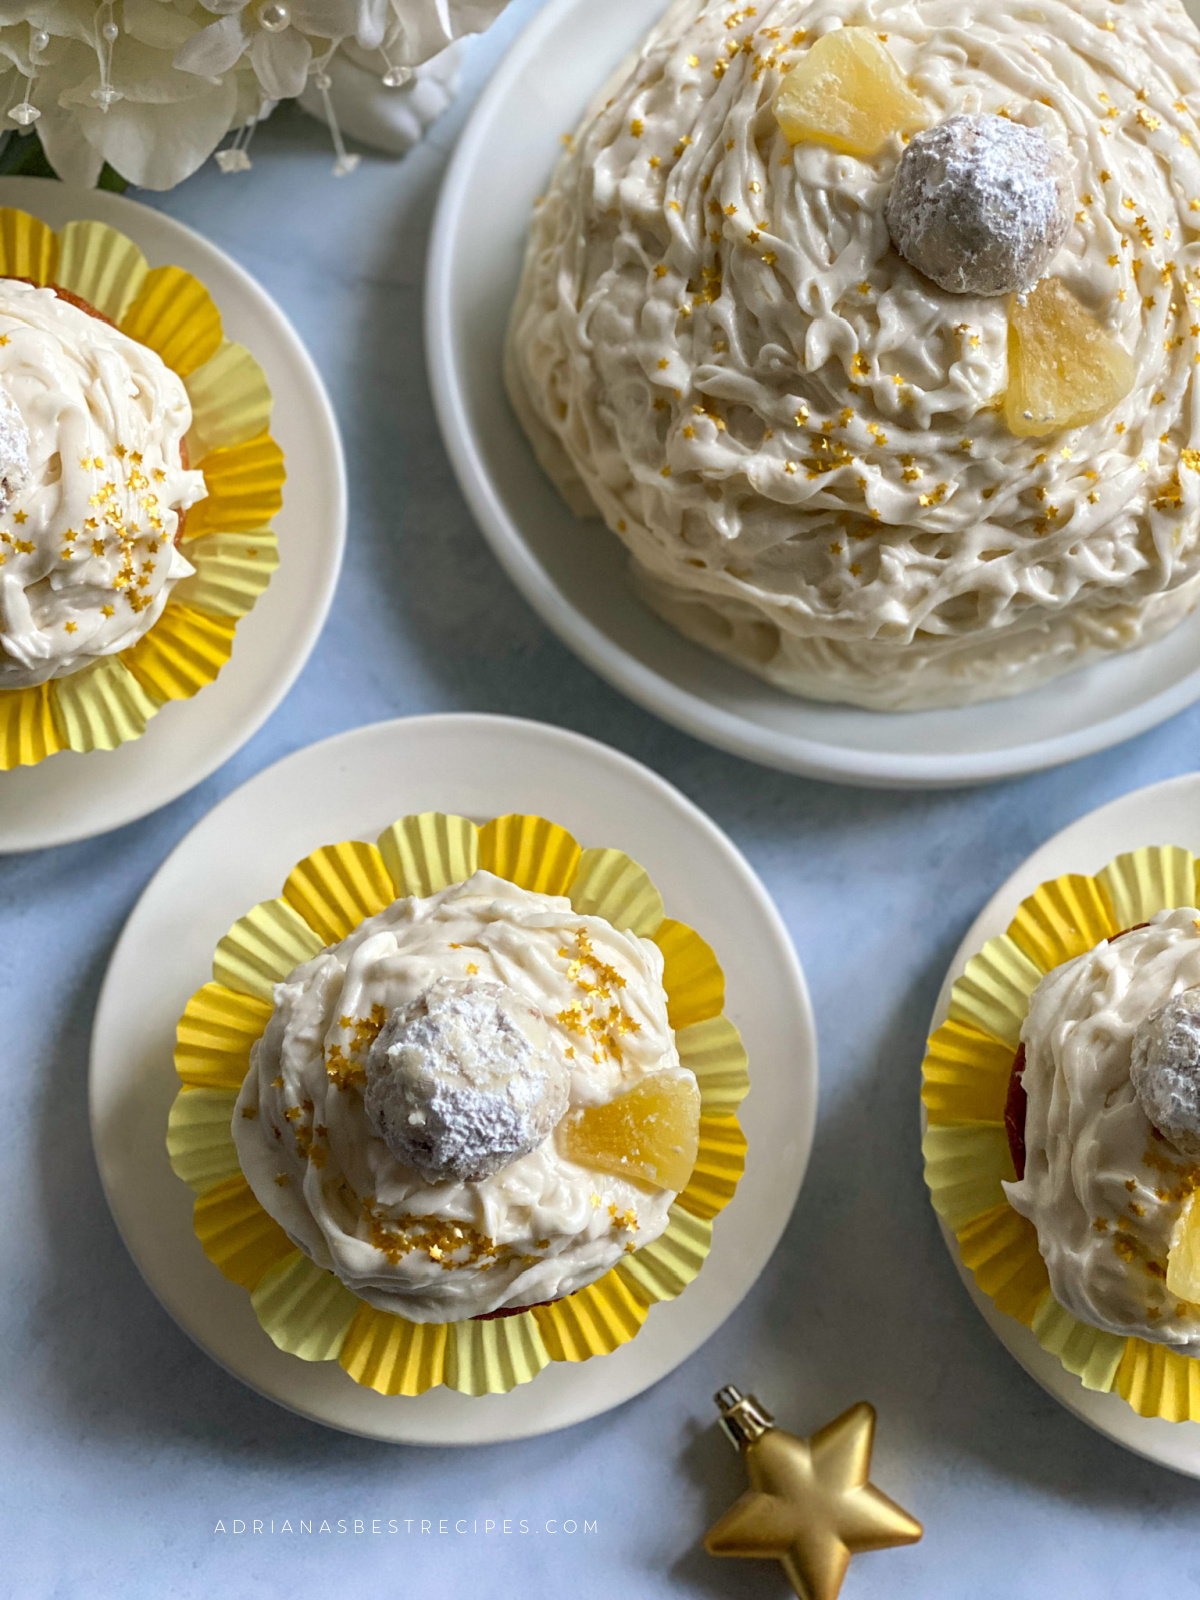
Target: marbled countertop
x,y
123,1445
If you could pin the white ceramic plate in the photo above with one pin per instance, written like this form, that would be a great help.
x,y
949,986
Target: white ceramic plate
x,y
354,786
1165,813
72,796
573,572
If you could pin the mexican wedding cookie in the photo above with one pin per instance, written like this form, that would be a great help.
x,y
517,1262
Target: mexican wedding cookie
x,y
93,486
1111,1134
473,1103
874,336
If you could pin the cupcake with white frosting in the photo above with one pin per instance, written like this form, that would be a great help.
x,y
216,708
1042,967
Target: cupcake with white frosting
x,y
94,486
875,341
1106,1130
428,1112
459,1104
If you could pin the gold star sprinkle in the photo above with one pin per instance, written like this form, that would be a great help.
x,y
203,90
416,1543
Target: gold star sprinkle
x,y
20,518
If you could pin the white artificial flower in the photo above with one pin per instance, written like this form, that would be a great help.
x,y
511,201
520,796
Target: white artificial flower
x,y
179,76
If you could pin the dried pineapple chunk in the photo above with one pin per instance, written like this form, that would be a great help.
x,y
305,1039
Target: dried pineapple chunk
x,y
847,92
651,1132
1063,369
1183,1258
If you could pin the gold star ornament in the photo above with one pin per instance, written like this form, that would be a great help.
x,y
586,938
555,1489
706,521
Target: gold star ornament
x,y
811,1504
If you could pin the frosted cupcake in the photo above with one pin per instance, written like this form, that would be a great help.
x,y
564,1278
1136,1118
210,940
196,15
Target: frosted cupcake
x,y
138,482
1062,1147
1105,1129
459,1104
94,485
876,344
471,1104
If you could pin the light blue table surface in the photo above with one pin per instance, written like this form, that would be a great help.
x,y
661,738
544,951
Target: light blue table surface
x,y
123,1445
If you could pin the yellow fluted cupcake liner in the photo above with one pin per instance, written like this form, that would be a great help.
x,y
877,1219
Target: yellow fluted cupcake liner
x,y
235,1232
303,1308
965,1083
227,537
198,1142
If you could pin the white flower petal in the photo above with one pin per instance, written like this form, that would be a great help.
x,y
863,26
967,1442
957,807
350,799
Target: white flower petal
x,y
66,148
428,26
391,120
364,20
214,49
157,146
161,26
281,62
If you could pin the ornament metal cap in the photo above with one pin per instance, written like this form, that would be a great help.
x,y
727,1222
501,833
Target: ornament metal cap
x,y
810,1504
743,1418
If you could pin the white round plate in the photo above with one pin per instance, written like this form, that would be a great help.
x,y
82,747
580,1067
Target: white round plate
x,y
574,573
1165,813
353,786
71,796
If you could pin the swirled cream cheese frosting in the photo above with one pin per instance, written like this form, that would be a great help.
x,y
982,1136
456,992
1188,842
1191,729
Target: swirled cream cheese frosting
x,y
564,1004
801,439
1102,1187
87,535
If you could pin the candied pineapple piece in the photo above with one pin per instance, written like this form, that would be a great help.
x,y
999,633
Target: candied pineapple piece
x,y
651,1132
847,92
1183,1258
1063,369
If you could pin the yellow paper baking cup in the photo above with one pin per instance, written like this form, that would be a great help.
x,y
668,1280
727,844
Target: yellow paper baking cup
x,y
965,1083
227,536
304,1309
